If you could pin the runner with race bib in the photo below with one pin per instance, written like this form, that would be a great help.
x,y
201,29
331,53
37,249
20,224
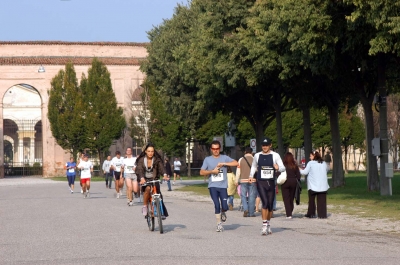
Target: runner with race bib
x,y
215,167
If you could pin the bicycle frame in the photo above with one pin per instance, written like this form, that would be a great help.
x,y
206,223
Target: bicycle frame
x,y
156,210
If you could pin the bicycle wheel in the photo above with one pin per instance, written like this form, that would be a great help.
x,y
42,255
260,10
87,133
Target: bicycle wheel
x,y
150,217
159,218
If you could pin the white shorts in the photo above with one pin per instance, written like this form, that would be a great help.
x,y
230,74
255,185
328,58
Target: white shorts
x,y
131,176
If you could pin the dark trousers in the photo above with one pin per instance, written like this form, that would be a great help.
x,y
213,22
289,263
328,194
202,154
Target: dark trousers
x,y
321,203
288,190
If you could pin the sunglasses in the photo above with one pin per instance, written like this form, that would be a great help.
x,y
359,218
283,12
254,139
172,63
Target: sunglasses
x,y
214,149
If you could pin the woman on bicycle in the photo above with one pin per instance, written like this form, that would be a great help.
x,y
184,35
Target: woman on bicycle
x,y
150,166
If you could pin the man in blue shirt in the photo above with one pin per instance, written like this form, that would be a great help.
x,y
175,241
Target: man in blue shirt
x,y
215,168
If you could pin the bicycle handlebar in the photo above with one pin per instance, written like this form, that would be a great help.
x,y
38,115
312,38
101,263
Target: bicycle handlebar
x,y
151,182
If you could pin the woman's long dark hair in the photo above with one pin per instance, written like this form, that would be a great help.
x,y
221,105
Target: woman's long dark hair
x,y
317,156
143,153
288,161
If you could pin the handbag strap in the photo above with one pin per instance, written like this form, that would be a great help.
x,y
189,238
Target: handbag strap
x,y
247,162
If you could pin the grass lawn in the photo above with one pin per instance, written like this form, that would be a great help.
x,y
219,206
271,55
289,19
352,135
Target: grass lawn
x,y
64,178
353,199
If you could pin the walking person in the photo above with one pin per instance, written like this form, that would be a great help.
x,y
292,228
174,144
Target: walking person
x,y
107,171
289,187
130,175
177,170
149,166
86,168
79,172
265,163
317,185
168,170
71,173
248,191
231,187
117,165
215,167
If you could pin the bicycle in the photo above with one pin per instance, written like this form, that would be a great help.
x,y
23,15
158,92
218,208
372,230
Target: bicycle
x,y
154,206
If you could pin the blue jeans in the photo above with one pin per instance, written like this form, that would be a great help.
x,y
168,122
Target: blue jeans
x,y
169,184
230,199
250,190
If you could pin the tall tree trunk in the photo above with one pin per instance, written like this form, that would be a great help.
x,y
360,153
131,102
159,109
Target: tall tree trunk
x,y
385,182
307,132
337,170
278,118
372,167
345,160
259,129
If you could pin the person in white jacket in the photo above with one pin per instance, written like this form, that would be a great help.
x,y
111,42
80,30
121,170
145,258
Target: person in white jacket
x,y
317,185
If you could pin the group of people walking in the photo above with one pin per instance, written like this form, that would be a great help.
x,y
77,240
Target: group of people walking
x,y
257,177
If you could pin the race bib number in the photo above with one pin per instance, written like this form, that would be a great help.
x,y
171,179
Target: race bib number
x,y
267,172
217,177
71,170
85,169
118,167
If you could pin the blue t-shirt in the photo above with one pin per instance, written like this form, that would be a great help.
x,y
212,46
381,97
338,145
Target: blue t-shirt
x,y
219,180
71,172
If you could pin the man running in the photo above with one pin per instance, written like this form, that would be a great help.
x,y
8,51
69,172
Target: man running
x,y
86,168
130,176
266,163
215,167
107,172
117,165
177,170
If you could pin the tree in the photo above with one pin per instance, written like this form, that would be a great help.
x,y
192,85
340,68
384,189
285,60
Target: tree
x,y
66,111
166,132
104,120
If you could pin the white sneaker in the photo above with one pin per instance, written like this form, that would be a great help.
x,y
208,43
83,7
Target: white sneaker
x,y
117,195
130,203
72,191
81,190
173,183
220,228
264,230
269,229
87,194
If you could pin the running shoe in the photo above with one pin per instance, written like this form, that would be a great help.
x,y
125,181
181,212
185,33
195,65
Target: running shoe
x,y
269,229
264,230
163,217
173,183
144,210
117,195
87,194
288,217
223,217
81,190
72,191
84,195
220,228
130,203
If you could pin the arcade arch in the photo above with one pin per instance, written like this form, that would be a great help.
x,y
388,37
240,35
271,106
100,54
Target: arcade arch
x,y
22,127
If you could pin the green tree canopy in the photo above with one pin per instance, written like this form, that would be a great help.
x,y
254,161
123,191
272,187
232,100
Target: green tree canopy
x,y
66,111
104,120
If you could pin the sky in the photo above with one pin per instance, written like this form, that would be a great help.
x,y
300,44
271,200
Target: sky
x,y
82,20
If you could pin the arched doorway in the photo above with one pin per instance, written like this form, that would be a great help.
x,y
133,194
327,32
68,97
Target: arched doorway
x,y
23,145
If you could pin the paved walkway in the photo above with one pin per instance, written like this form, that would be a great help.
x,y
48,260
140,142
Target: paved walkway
x,y
42,223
